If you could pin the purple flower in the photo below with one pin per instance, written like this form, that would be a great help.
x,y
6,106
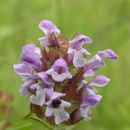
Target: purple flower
x,y
77,52
55,77
89,99
100,81
32,55
55,107
59,70
26,73
48,27
40,97
109,53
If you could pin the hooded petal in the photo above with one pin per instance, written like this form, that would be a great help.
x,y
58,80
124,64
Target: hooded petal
x,y
23,69
48,27
78,60
59,71
32,55
109,53
60,65
91,100
79,41
100,81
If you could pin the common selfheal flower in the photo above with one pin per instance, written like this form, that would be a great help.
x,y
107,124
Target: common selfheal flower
x,y
55,76
55,106
89,99
32,55
49,29
26,73
100,81
59,71
77,52
39,98
109,53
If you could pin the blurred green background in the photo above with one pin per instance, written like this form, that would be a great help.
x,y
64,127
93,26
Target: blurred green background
x,y
107,22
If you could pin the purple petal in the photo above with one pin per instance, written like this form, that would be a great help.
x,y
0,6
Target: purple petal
x,y
39,98
45,79
31,55
58,76
61,115
23,69
100,81
60,65
109,53
79,41
48,27
91,100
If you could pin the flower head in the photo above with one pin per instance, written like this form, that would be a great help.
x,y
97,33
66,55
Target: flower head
x,y
55,76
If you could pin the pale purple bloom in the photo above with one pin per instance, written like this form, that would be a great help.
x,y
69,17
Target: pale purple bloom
x,y
24,70
32,55
100,81
89,99
48,27
59,70
77,52
109,53
26,73
40,97
55,107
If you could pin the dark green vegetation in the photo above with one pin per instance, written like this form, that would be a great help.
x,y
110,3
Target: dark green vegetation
x,y
107,22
